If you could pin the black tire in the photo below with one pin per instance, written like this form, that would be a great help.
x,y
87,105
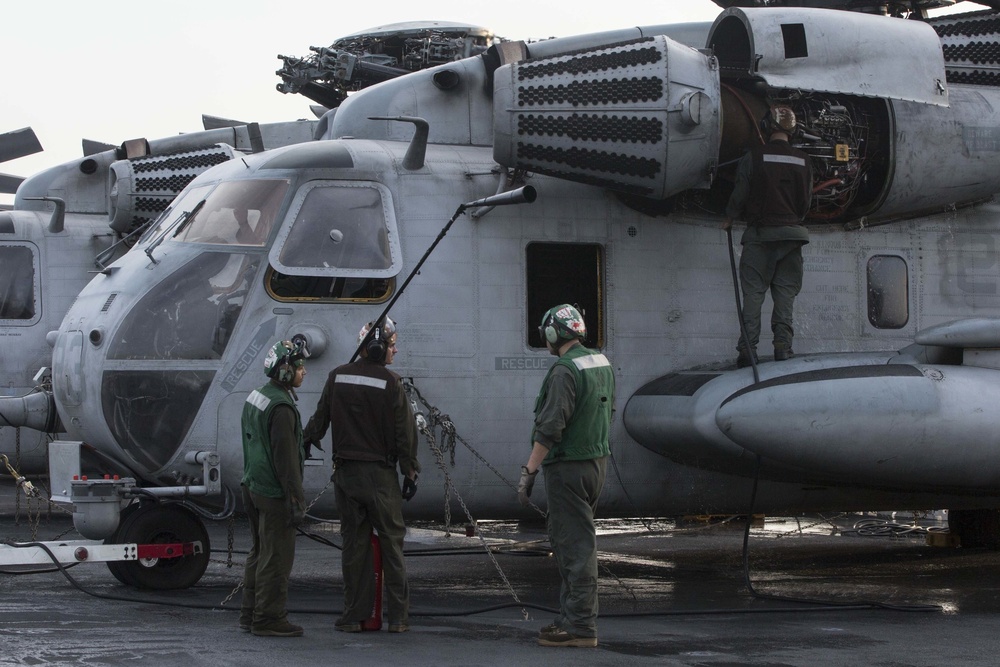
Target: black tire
x,y
162,524
117,568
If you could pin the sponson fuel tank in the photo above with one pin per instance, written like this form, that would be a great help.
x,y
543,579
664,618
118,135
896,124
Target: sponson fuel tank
x,y
922,418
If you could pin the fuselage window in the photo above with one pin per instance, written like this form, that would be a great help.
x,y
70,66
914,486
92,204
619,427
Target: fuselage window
x,y
17,283
566,273
235,213
888,292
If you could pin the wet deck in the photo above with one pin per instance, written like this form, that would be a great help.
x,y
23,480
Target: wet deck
x,y
669,596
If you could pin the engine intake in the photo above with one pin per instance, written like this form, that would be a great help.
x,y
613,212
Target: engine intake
x,y
640,117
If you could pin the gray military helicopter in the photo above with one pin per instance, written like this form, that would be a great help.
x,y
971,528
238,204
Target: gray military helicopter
x,y
416,201
68,224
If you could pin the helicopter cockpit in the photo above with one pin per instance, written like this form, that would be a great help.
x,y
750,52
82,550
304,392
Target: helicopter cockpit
x,y
187,316
239,246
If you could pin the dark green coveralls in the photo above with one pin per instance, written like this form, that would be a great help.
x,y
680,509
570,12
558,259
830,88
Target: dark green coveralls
x,y
273,459
773,191
373,431
572,419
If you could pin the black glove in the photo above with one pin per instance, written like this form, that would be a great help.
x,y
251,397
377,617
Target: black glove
x,y
296,513
524,486
409,487
309,445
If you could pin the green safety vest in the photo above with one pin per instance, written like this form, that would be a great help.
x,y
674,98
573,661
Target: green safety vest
x,y
586,434
258,471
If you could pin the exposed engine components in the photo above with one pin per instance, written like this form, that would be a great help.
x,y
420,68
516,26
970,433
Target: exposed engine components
x,y
834,132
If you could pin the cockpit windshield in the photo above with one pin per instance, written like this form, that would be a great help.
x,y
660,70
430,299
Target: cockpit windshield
x,y
235,213
178,209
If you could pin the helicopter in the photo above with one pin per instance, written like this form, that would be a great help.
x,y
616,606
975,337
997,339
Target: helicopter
x,y
591,170
69,223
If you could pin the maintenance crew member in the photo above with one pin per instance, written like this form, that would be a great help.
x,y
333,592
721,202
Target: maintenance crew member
x,y
570,442
772,194
373,432
273,459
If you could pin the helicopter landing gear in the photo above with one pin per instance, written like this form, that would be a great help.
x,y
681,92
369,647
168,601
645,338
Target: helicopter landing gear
x,y
160,523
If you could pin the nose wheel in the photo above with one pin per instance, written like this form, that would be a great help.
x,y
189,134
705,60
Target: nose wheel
x,y
160,523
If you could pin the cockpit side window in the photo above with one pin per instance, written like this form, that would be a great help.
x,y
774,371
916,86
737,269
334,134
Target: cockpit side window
x,y
339,229
18,285
235,213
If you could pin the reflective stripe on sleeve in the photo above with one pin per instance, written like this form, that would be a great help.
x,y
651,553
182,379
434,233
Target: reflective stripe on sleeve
x,y
361,380
785,159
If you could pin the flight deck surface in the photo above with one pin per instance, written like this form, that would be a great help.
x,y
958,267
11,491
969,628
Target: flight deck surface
x,y
670,595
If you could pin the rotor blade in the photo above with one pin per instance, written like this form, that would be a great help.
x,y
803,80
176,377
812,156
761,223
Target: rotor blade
x,y
18,143
215,122
8,183
91,147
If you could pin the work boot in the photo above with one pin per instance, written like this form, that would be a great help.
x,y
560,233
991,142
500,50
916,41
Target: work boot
x,y
347,627
744,359
277,629
783,353
560,637
399,627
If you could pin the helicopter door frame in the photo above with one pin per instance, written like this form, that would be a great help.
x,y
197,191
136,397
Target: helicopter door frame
x,y
565,272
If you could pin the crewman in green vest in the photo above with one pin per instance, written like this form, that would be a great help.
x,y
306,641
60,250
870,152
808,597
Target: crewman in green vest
x,y
570,442
273,460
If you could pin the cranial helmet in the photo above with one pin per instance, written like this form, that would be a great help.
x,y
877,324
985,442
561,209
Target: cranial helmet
x,y
284,357
378,344
562,323
782,119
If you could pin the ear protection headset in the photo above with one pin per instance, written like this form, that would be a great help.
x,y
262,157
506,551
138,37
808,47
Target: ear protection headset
x,y
284,368
377,347
765,124
286,372
548,329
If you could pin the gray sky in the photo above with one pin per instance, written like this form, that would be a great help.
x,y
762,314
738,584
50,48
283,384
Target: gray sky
x,y
111,70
